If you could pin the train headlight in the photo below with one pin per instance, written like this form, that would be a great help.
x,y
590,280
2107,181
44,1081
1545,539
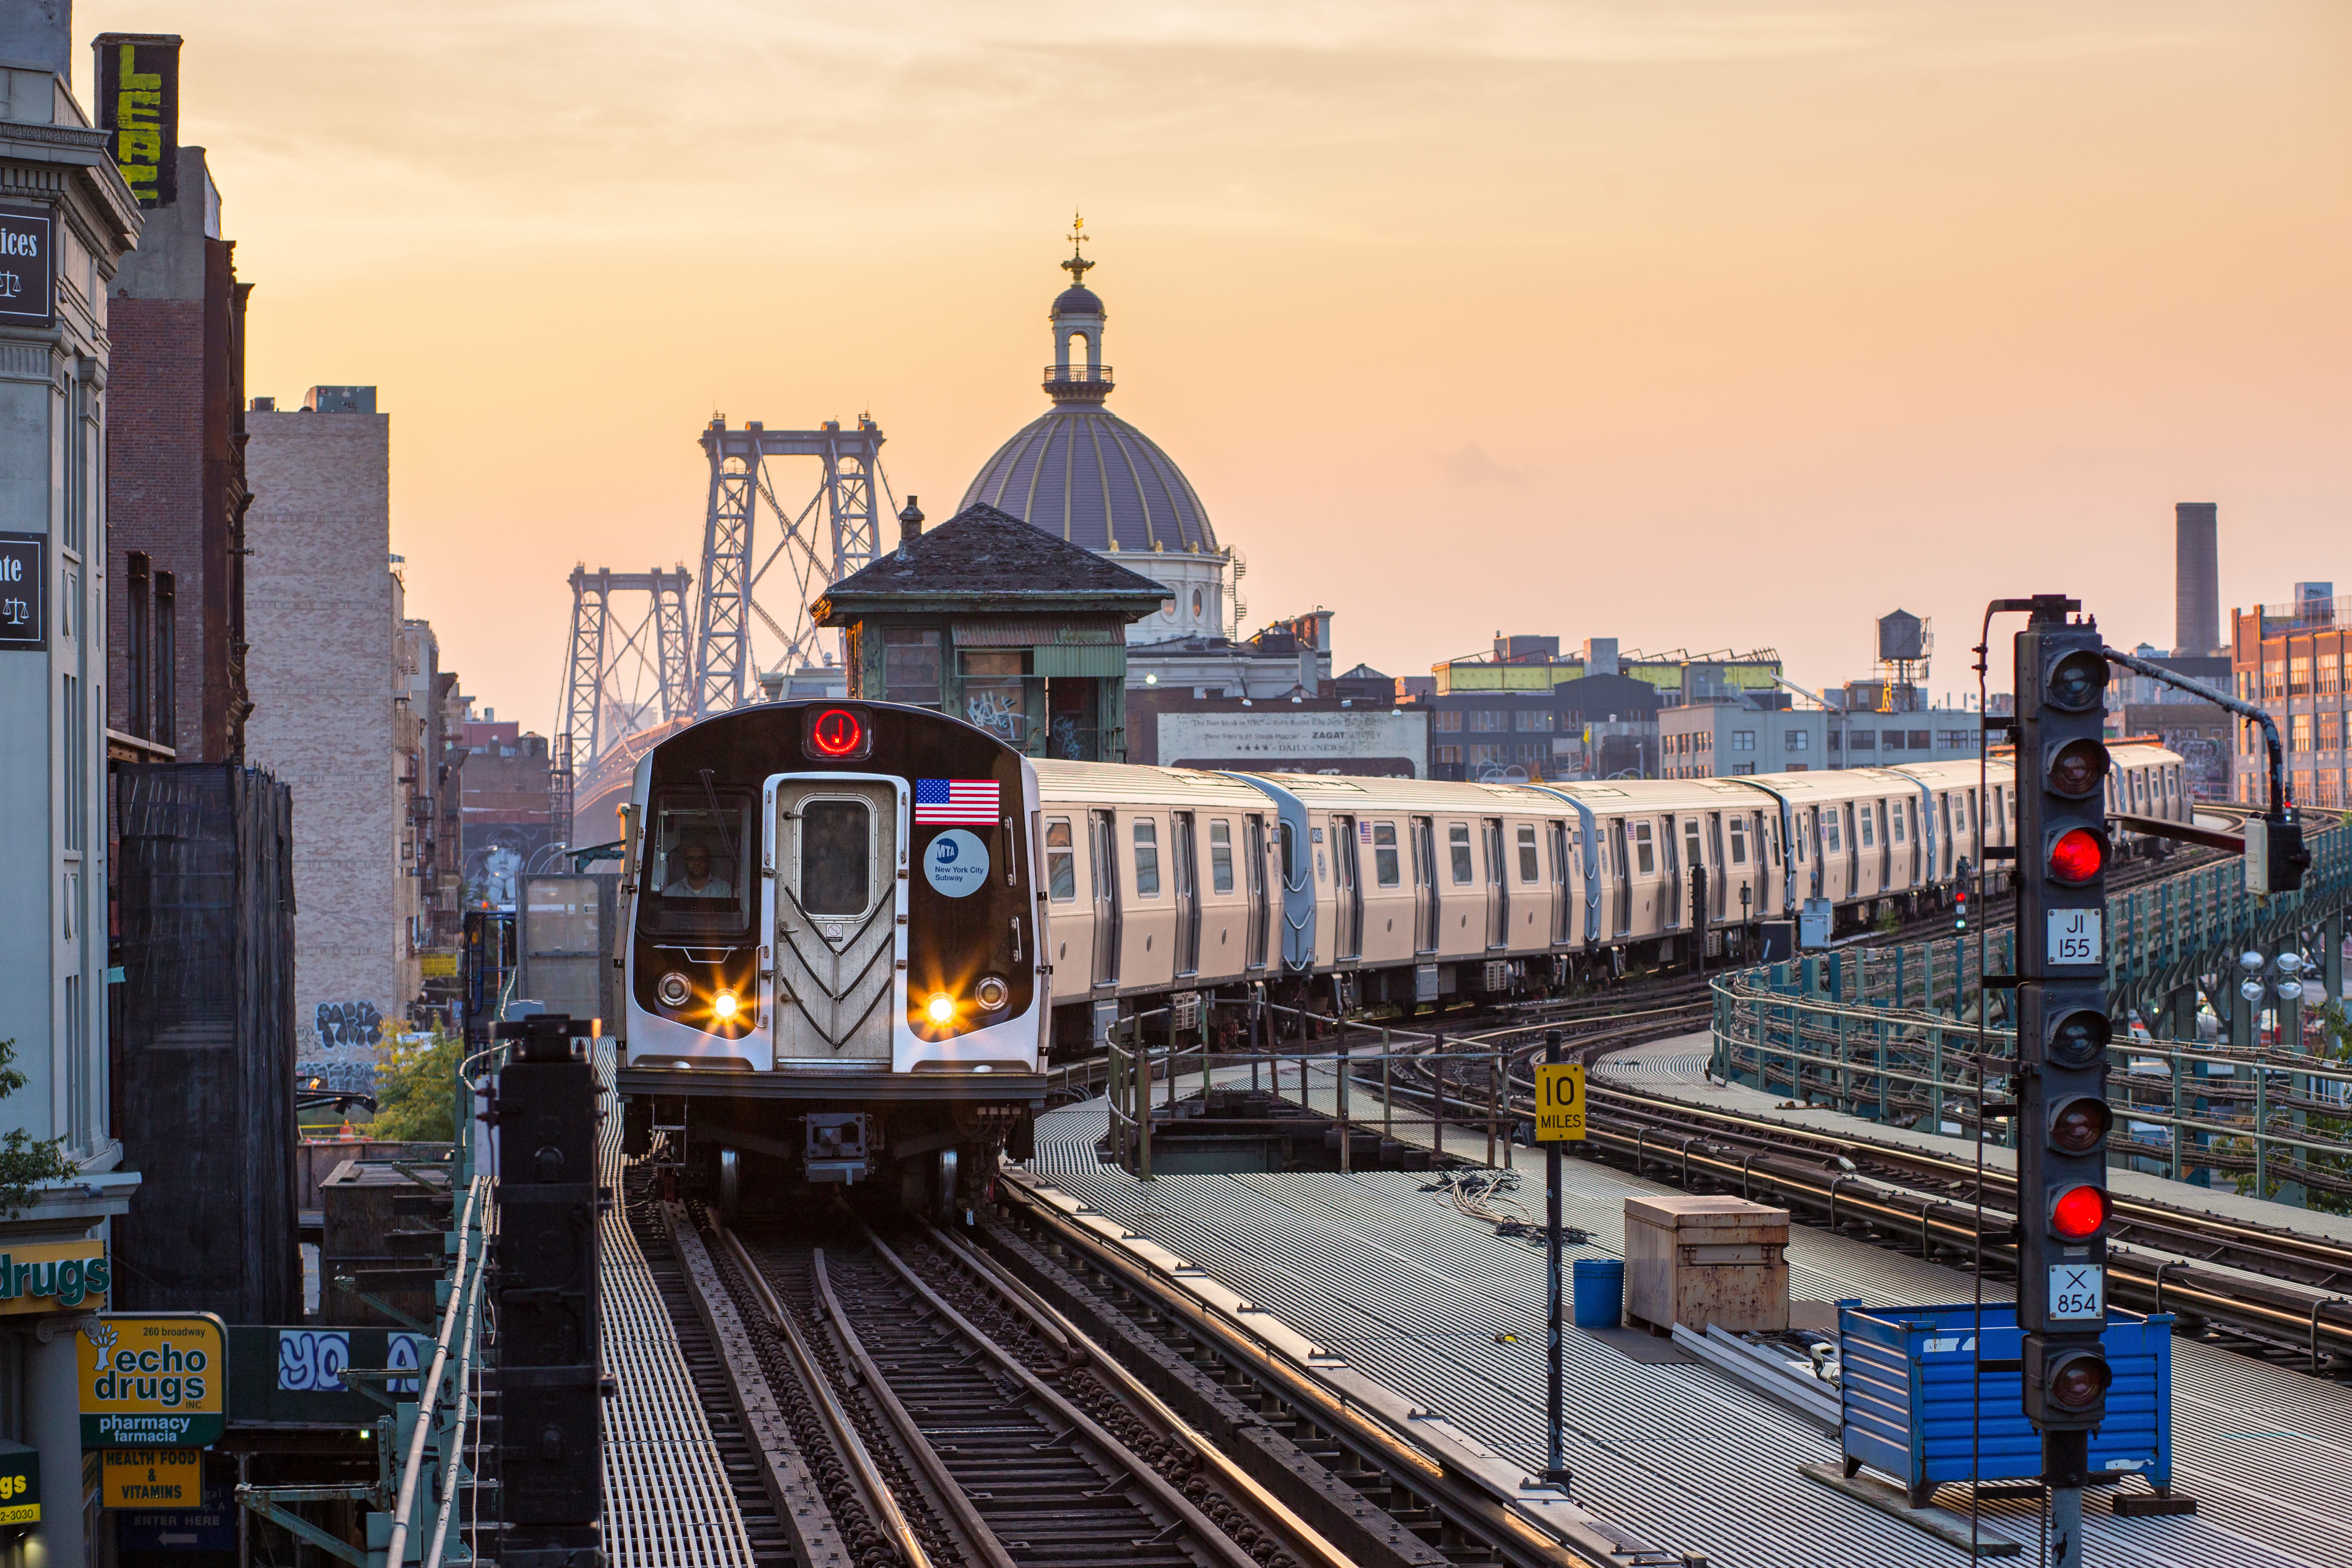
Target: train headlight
x,y
992,994
675,990
941,1010
723,1006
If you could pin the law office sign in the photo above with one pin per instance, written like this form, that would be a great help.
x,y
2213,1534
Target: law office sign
x,y
160,1381
28,265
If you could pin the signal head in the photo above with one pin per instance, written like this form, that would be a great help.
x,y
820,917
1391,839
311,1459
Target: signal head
x,y
2080,1212
2077,855
2079,1038
2079,1381
2074,683
2080,1125
835,734
2076,769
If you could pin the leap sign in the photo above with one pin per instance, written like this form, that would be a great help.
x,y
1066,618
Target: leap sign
x,y
1559,1103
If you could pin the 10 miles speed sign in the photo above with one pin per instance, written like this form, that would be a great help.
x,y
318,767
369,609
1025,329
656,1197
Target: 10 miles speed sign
x,y
1559,1103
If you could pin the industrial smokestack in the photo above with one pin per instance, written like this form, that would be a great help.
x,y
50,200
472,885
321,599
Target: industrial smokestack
x,y
910,525
2196,577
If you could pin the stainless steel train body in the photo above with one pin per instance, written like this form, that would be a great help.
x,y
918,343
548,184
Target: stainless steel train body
x,y
831,947
1371,890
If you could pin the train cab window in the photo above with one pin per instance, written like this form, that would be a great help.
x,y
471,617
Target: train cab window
x,y
1385,854
1285,835
700,870
1457,842
1147,858
837,857
1221,856
1738,842
1061,861
1869,839
1529,869
1645,854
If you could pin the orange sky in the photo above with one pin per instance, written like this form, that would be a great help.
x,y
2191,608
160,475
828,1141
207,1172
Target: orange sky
x,y
1691,324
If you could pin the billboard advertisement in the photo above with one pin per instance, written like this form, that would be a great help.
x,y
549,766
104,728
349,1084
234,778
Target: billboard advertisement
x,y
1378,742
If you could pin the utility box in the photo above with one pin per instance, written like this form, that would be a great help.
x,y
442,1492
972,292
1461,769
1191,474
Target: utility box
x,y
1696,1260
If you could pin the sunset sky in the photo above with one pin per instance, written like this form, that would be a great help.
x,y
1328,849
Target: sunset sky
x,y
1696,325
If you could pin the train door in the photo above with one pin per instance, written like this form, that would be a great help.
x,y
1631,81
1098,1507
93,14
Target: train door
x,y
1185,847
1617,846
1943,812
1721,874
1347,891
1809,833
1102,866
1670,912
1694,858
1560,928
1852,854
1498,886
1425,885
838,918
1885,845
1261,922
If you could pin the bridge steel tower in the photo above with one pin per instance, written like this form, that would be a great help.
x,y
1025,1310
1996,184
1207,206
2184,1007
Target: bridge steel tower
x,y
732,568
600,705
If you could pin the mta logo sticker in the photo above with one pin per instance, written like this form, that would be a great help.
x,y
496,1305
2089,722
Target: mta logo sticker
x,y
956,863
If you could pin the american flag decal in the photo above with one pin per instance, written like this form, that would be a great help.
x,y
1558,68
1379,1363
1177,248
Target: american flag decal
x,y
956,802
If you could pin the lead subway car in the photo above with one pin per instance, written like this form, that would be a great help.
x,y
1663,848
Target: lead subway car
x,y
833,968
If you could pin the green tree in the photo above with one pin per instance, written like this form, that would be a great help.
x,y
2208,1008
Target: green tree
x,y
2334,1050
414,1092
25,1163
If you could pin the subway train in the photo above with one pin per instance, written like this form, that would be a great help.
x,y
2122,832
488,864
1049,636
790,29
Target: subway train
x,y
853,932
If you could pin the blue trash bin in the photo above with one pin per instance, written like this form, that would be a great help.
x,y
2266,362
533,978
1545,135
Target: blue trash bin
x,y
1600,1292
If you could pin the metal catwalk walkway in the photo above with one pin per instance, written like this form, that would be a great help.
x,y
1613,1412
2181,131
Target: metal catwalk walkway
x,y
666,1499
1414,1294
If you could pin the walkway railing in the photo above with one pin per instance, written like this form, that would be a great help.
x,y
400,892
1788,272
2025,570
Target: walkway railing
x,y
1892,1034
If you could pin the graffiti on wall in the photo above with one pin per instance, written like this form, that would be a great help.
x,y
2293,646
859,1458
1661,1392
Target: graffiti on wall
x,y
349,1026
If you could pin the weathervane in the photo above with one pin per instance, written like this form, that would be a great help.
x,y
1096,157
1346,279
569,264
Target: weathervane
x,y
1077,264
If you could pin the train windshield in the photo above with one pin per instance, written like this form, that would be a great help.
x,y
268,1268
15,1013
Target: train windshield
x,y
700,872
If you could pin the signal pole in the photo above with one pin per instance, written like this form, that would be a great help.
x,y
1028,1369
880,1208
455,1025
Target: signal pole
x,y
2062,1033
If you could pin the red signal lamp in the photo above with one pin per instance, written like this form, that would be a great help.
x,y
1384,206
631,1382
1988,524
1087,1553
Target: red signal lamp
x,y
836,734
2080,1212
2079,1381
2080,1125
2078,856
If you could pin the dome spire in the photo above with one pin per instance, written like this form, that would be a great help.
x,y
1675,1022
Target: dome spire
x,y
1077,317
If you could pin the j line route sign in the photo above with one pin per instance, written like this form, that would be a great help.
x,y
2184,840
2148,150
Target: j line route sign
x,y
1559,1103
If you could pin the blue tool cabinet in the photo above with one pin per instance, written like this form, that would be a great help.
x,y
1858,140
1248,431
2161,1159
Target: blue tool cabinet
x,y
1908,1376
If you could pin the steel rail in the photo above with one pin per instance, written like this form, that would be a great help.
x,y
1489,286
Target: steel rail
x,y
868,1476
1521,1540
944,1486
1206,1531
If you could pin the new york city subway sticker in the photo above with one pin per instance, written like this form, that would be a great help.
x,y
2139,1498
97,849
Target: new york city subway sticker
x,y
160,1381
956,863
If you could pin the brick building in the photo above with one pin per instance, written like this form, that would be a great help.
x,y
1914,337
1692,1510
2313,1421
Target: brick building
x,y
329,672
2290,657
175,482
506,813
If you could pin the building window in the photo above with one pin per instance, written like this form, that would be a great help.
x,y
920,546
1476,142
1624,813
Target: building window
x,y
2299,733
1490,718
910,667
1895,741
1919,740
141,671
1743,740
1952,740
1743,768
1489,756
1858,741
1448,720
167,644
1797,740
1536,719
1448,754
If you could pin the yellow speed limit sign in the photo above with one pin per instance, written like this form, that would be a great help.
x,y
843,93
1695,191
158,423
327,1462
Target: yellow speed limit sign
x,y
1559,1103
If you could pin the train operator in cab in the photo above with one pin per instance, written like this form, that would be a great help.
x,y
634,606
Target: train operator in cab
x,y
694,878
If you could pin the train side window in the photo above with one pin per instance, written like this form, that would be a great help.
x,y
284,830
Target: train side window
x,y
1869,841
837,857
1830,833
700,854
1894,823
1061,861
1529,867
1738,842
1220,855
1457,841
1147,858
1385,854
1645,855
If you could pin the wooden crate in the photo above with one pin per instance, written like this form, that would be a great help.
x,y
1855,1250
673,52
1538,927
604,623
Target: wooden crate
x,y
1696,1260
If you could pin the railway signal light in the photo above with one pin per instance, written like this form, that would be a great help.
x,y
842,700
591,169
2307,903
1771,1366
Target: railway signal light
x,y
836,735
2063,1033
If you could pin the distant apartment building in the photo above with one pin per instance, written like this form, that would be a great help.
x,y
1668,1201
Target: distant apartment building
x,y
341,688
506,809
2290,657
176,486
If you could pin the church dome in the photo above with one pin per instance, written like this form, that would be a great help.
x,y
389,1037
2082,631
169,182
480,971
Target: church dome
x,y
1088,476
1081,472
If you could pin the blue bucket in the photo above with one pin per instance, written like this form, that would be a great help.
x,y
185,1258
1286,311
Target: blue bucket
x,y
1600,1292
